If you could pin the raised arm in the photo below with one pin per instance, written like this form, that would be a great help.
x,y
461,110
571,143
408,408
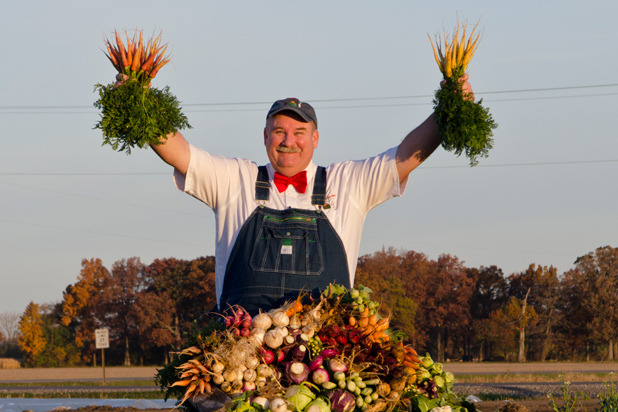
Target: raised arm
x,y
175,151
416,147
421,142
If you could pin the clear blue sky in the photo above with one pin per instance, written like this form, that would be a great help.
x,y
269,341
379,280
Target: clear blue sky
x,y
546,194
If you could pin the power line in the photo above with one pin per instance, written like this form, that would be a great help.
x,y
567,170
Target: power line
x,y
69,109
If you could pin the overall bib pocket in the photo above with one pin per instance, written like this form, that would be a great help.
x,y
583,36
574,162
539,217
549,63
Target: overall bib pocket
x,y
288,245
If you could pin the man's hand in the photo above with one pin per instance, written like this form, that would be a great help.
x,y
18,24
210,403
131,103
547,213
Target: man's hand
x,y
465,87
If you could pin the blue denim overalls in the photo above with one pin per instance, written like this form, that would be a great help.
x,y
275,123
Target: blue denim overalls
x,y
281,253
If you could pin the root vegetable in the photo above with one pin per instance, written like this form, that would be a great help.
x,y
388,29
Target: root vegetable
x,y
273,339
262,401
342,401
278,405
279,318
336,365
320,376
262,321
297,372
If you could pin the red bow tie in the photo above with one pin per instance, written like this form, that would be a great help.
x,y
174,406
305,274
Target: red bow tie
x,y
299,181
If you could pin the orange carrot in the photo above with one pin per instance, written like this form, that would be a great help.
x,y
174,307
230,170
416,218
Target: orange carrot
x,y
410,350
411,364
123,54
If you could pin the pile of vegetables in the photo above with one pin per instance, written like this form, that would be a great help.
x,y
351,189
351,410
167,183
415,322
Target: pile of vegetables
x,y
335,353
133,113
465,126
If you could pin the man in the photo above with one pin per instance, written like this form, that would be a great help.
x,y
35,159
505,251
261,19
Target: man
x,y
291,226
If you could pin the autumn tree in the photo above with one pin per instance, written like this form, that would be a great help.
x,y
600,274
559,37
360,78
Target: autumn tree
x,y
31,338
595,282
82,308
541,286
444,308
184,293
389,274
490,293
119,300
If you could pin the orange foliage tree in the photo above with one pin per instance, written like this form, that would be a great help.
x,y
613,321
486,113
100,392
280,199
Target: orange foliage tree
x,y
31,337
81,305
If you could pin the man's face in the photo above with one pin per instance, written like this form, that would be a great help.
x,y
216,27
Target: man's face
x,y
289,143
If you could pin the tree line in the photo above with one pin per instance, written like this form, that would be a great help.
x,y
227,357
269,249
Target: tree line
x,y
446,309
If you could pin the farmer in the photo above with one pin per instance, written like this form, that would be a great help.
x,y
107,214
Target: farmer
x,y
291,226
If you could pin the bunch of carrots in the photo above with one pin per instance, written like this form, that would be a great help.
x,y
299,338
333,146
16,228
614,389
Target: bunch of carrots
x,y
133,113
372,327
137,60
465,126
453,60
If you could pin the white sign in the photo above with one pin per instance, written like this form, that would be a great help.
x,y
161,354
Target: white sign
x,y
101,337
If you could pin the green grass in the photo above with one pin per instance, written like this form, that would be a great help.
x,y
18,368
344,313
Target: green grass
x,y
532,377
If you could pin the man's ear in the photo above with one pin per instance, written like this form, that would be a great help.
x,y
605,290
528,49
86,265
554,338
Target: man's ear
x,y
265,136
316,138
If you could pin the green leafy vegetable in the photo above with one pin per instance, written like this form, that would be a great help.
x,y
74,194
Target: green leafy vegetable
x,y
465,126
136,116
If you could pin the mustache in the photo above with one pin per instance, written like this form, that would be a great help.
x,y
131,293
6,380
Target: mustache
x,y
287,149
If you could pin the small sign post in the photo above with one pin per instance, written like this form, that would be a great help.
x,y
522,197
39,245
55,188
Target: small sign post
x,y
101,337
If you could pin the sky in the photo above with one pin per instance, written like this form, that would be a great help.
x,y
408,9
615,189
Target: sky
x,y
545,195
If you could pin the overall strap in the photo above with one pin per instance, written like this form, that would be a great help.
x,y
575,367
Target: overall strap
x,y
262,186
318,198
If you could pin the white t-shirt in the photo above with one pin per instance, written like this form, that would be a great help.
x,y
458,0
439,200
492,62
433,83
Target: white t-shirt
x,y
227,186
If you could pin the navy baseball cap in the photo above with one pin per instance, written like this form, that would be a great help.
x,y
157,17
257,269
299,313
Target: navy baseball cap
x,y
292,104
